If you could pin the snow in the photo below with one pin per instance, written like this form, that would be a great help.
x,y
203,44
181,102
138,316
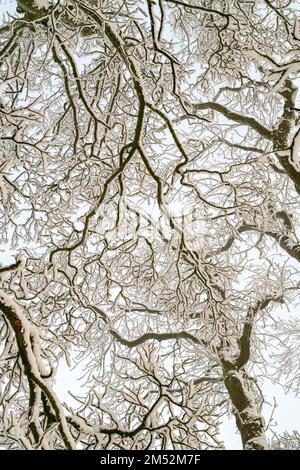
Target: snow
x,y
295,152
31,336
2,91
87,428
33,352
297,28
3,190
255,443
42,4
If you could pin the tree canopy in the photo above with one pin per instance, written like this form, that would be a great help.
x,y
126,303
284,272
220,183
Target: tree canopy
x,y
150,181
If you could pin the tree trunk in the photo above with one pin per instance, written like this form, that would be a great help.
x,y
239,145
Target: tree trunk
x,y
248,418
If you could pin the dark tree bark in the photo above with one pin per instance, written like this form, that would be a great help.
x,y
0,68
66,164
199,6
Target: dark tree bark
x,y
249,420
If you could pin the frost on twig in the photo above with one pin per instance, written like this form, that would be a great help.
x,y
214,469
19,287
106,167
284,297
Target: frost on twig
x,y
295,151
147,174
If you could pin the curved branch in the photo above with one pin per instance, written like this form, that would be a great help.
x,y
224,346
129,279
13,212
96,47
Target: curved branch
x,y
11,267
284,241
156,336
237,117
245,338
31,363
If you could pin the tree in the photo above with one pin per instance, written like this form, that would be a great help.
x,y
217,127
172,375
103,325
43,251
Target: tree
x,y
286,441
150,186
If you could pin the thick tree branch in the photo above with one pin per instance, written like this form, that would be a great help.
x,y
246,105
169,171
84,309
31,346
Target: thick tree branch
x,y
26,339
236,117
